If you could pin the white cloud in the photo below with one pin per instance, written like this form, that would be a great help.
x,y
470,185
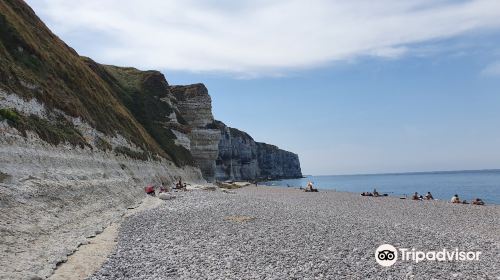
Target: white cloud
x,y
257,37
492,70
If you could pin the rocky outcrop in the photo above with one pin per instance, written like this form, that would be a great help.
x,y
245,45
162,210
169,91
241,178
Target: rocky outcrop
x,y
195,107
275,163
241,158
179,118
237,158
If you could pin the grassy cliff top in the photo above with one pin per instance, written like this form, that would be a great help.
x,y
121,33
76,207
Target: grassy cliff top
x,y
35,63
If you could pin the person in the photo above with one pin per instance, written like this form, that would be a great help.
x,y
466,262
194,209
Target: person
x,y
415,196
429,196
477,201
150,190
455,199
163,189
180,185
310,187
375,192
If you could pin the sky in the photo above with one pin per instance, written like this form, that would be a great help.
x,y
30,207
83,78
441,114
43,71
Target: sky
x,y
352,87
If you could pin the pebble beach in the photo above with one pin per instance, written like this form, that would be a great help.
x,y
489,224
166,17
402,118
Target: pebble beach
x,y
280,233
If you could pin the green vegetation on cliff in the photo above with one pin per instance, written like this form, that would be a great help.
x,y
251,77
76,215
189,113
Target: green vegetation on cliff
x,y
142,93
34,63
55,132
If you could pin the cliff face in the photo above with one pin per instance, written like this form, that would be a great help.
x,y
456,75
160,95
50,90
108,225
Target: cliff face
x,y
237,159
276,163
195,106
53,196
179,118
146,94
36,64
241,158
79,140
161,122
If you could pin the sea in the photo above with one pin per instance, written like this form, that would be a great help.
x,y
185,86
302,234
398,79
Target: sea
x,y
484,184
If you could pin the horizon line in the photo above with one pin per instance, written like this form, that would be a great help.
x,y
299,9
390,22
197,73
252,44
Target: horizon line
x,y
412,172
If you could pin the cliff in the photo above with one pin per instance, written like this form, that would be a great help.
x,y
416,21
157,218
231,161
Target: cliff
x,y
275,163
195,106
157,121
79,140
53,196
36,64
241,158
78,143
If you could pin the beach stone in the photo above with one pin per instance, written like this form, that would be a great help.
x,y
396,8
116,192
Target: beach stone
x,y
166,196
274,233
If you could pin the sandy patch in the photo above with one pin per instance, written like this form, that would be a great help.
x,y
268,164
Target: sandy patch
x,y
90,257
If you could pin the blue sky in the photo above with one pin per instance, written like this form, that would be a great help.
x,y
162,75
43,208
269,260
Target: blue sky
x,y
350,86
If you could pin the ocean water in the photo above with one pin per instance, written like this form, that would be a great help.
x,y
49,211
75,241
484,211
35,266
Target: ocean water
x,y
484,184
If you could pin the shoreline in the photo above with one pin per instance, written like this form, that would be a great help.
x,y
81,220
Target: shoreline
x,y
468,186
388,196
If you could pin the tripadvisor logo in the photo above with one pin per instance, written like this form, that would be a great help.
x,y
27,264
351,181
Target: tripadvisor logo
x,y
387,255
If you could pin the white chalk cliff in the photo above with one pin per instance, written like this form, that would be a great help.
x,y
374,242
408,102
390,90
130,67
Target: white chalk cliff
x,y
79,141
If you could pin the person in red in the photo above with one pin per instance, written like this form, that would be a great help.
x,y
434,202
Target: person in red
x,y
150,190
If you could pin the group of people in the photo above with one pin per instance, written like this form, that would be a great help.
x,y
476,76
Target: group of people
x,y
375,193
416,196
151,189
180,186
428,196
456,200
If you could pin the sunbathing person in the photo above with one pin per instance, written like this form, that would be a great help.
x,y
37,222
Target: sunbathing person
x,y
180,185
415,196
310,188
455,199
375,192
429,196
477,201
